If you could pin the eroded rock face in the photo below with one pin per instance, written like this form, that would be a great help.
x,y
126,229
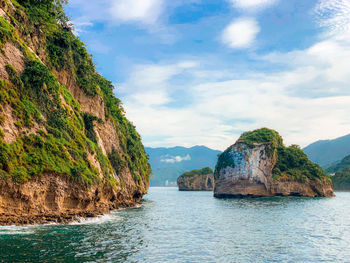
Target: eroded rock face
x,y
49,196
245,170
196,182
57,198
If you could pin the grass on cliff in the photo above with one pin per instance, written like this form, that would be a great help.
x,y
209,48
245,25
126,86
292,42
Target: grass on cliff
x,y
7,32
60,146
36,99
67,52
203,171
292,164
263,135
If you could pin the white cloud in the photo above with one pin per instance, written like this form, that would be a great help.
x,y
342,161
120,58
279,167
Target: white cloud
x,y
175,159
143,12
146,11
80,25
307,100
334,15
249,4
241,33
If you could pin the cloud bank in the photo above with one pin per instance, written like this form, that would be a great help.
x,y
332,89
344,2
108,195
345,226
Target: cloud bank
x,y
307,100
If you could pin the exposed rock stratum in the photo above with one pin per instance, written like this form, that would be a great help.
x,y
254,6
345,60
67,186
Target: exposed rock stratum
x,y
259,165
196,180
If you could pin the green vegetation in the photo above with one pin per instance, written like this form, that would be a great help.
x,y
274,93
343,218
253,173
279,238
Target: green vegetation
x,y
291,163
203,171
133,150
341,179
66,51
66,137
263,135
44,13
225,160
2,134
7,32
345,162
341,171
63,148
89,126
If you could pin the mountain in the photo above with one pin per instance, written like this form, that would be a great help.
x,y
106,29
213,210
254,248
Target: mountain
x,y
169,163
66,147
345,162
340,174
327,152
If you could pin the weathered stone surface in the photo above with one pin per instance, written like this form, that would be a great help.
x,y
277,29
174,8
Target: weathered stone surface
x,y
196,182
49,196
247,172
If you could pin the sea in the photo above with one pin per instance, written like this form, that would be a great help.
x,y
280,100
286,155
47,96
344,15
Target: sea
x,y
174,226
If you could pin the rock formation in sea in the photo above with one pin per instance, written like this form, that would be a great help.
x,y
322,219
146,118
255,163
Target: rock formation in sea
x,y
259,165
66,148
196,180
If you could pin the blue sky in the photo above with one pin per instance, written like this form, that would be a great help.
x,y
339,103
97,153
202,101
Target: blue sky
x,y
200,72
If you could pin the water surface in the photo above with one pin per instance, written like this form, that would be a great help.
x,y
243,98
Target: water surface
x,y
173,226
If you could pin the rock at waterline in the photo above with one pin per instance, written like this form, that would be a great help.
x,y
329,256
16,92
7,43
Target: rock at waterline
x,y
196,180
259,165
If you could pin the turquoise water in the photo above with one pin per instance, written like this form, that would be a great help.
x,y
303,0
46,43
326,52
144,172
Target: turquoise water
x,y
173,226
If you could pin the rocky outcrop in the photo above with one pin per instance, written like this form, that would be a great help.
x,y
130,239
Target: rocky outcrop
x,y
55,198
259,168
196,180
66,148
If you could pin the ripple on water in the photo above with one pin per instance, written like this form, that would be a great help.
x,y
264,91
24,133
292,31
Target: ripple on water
x,y
173,226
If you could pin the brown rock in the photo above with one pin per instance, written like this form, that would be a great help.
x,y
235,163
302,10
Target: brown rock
x,y
247,171
51,197
196,182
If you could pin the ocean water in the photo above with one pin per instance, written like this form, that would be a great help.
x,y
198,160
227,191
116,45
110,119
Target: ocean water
x,y
173,226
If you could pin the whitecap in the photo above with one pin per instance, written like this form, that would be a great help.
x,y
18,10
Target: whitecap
x,y
96,220
16,230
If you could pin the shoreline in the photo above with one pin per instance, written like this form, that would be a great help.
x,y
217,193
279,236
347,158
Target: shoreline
x,y
62,219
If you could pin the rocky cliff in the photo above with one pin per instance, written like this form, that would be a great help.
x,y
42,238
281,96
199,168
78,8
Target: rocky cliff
x,y
258,165
66,148
196,180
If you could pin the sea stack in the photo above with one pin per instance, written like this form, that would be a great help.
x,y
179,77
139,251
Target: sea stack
x,y
196,180
259,165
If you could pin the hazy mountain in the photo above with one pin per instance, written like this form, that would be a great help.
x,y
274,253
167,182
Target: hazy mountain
x,y
169,163
328,152
345,162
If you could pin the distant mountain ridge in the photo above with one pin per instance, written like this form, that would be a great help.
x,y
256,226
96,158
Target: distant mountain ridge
x,y
341,174
344,163
328,152
169,163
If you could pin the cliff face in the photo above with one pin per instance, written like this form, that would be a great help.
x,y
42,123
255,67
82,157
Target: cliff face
x,y
257,169
196,182
66,148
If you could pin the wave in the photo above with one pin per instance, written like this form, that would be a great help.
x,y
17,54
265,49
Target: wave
x,y
111,217
16,230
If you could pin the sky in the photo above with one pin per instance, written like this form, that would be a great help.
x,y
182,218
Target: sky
x,y
201,72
